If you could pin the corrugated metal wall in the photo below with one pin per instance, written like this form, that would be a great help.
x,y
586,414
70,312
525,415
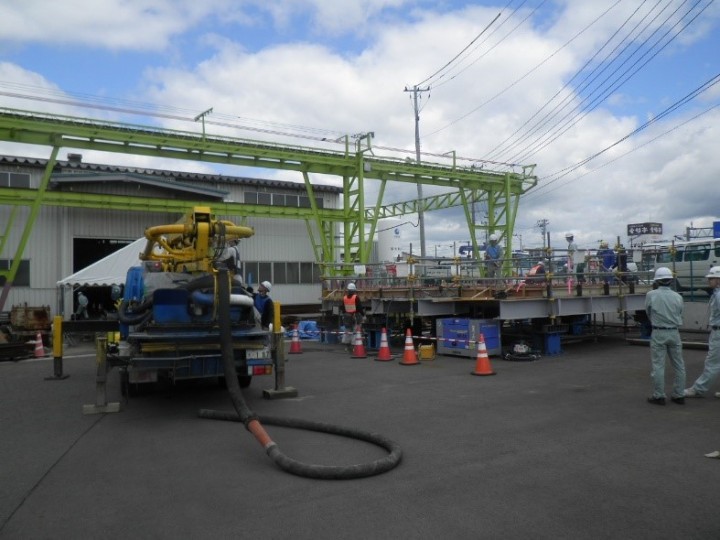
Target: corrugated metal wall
x,y
50,249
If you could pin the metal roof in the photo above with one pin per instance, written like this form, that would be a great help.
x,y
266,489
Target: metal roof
x,y
95,177
77,166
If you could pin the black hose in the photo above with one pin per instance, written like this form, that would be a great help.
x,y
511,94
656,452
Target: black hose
x,y
324,472
252,421
140,313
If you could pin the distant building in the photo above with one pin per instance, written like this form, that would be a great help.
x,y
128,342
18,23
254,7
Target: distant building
x,y
66,239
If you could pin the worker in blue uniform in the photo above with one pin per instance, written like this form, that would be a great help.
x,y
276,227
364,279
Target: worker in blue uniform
x,y
264,304
664,308
493,257
712,360
607,260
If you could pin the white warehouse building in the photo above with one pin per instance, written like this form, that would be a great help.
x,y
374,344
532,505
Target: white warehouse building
x,y
66,239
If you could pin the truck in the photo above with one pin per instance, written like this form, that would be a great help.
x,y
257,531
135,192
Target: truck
x,y
169,317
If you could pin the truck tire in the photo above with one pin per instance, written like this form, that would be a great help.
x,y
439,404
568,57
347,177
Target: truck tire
x,y
243,380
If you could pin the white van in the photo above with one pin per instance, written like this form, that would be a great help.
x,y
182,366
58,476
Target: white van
x,y
690,261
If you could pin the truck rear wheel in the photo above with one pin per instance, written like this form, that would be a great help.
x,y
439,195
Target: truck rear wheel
x,y
243,380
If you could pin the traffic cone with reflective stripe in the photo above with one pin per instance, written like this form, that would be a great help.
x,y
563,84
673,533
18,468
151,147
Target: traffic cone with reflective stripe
x,y
384,354
39,349
358,348
482,365
409,354
295,342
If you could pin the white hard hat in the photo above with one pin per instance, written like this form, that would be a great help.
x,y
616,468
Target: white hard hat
x,y
267,285
493,238
663,273
541,263
714,272
569,235
351,287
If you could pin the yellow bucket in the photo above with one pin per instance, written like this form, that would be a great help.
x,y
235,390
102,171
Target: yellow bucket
x,y
426,352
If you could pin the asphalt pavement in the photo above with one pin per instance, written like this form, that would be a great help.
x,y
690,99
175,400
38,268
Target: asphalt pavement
x,y
562,447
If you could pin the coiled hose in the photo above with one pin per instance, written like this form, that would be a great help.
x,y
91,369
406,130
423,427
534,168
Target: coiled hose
x,y
253,422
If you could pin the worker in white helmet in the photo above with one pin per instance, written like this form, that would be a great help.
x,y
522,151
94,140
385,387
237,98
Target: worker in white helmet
x,y
571,249
352,312
712,360
493,257
264,304
664,308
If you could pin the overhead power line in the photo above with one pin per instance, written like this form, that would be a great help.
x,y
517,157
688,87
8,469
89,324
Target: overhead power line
x,y
610,84
669,110
544,190
494,46
428,81
527,74
506,146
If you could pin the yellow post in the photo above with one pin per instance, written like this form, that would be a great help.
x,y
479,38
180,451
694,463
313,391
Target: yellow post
x,y
278,352
57,350
101,404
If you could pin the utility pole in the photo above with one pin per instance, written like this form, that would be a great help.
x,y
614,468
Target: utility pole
x,y
543,223
421,218
202,116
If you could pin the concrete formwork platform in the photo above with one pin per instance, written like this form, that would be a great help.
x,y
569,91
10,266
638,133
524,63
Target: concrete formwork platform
x,y
563,447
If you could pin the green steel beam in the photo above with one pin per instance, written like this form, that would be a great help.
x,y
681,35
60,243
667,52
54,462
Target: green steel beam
x,y
35,205
81,133
26,197
465,184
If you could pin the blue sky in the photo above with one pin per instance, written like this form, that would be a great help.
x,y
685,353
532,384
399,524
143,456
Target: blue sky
x,y
341,67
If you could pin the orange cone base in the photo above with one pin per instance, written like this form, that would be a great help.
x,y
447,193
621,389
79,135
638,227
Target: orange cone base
x,y
384,357
295,347
404,362
358,347
409,355
39,349
483,373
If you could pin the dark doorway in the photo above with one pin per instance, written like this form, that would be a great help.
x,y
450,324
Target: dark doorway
x,y
87,251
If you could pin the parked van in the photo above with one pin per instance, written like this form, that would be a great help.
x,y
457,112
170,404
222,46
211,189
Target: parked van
x,y
690,261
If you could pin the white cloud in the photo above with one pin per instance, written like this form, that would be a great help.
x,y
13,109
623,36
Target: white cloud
x,y
313,85
111,24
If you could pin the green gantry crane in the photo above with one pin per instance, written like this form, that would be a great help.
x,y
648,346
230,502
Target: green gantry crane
x,y
356,164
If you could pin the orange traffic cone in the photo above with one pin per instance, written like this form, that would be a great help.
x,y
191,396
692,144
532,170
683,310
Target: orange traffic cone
x,y
482,365
39,349
384,354
295,342
358,348
409,355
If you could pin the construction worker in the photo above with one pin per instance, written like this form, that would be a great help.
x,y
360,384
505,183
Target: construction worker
x,y
712,360
664,308
82,306
493,257
352,313
536,273
231,255
607,259
620,268
264,304
571,249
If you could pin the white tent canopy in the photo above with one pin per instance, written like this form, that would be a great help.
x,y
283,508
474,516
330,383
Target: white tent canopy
x,y
111,270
